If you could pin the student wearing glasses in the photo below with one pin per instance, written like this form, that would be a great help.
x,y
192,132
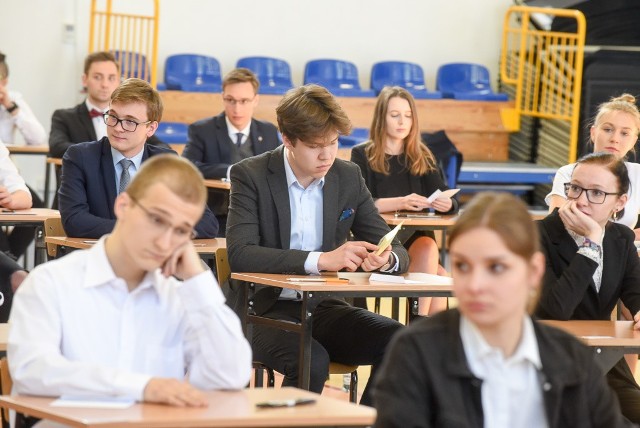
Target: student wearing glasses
x,y
94,173
591,261
137,315
218,142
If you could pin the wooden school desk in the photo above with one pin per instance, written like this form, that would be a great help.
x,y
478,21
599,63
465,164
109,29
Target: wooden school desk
x,y
217,184
358,286
227,409
33,217
610,339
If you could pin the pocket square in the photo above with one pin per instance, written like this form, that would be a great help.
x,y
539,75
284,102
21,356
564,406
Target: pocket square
x,y
346,214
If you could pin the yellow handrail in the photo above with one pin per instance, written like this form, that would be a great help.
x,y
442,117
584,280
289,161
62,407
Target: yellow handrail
x,y
133,37
544,67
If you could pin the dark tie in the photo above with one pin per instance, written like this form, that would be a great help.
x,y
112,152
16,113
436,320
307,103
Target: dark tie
x,y
239,136
95,113
124,176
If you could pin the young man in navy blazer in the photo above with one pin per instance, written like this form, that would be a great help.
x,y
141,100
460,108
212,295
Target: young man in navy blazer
x,y
94,173
218,142
292,211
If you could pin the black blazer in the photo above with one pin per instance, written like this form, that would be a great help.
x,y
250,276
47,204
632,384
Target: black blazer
x,y
73,125
88,191
259,221
209,144
568,290
425,380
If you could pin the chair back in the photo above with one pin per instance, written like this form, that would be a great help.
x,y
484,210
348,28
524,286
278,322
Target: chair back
x,y
273,74
172,132
357,136
397,73
339,77
6,384
223,270
53,227
132,64
192,73
466,81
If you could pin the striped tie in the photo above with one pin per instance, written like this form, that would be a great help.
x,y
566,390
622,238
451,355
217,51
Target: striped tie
x,y
124,177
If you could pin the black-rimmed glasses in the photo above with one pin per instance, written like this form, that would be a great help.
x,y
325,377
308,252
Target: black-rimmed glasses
x,y
127,124
161,224
595,196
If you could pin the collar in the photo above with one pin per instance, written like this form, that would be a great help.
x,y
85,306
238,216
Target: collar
x,y
291,177
99,271
137,159
91,106
233,130
477,348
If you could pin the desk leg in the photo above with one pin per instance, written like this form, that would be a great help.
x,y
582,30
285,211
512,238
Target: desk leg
x,y
40,248
304,359
47,183
608,357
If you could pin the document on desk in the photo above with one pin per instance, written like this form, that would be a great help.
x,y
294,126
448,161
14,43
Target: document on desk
x,y
94,402
412,278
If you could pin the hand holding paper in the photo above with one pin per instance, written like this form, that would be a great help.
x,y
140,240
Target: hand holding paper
x,y
438,194
386,240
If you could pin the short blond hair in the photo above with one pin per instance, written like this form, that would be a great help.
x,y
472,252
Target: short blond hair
x,y
139,91
241,75
178,174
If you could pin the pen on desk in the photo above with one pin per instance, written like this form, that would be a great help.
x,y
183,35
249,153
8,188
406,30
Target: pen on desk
x,y
7,210
325,280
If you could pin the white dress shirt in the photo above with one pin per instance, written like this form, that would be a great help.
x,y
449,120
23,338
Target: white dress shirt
x,y
98,122
511,387
75,329
9,175
24,120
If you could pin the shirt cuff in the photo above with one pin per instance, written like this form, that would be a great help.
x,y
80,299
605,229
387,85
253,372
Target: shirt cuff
x,y
590,253
229,172
394,266
311,264
200,291
131,384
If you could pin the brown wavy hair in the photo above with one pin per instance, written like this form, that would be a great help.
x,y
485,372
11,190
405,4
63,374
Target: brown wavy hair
x,y
420,159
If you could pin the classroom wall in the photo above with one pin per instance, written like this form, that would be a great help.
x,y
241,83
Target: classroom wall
x,y
428,32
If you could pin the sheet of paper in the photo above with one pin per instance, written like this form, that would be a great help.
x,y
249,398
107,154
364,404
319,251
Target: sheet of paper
x,y
386,240
428,278
94,402
448,193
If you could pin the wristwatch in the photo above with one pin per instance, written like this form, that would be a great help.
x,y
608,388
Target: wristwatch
x,y
13,107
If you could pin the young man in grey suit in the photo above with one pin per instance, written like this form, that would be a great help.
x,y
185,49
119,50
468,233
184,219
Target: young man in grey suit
x,y
218,142
292,210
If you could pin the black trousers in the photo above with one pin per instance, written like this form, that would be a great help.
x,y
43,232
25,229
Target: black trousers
x,y
622,382
340,333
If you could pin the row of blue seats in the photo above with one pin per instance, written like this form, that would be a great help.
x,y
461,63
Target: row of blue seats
x,y
200,73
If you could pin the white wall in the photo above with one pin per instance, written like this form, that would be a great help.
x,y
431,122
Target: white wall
x,y
429,32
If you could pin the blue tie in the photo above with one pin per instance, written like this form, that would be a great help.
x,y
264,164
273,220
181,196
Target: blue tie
x,y
124,176
239,136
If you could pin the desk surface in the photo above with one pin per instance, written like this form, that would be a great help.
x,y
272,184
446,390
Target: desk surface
x,y
203,246
55,161
217,184
600,333
28,150
30,215
226,409
358,281
436,221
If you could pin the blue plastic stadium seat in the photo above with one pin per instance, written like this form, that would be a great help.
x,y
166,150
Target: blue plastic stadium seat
x,y
273,74
464,81
172,132
405,74
192,73
339,77
132,64
358,135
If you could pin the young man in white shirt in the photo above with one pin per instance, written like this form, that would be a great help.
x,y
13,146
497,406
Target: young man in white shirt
x,y
114,320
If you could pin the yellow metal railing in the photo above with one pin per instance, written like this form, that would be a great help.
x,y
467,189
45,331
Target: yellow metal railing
x,y
544,67
132,37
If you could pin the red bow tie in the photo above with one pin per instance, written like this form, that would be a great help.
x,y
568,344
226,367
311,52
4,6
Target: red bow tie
x,y
95,113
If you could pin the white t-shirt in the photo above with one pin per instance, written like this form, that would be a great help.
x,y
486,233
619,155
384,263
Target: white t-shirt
x,y
631,209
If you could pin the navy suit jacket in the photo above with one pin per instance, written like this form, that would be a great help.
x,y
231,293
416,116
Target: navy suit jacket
x,y
88,191
209,146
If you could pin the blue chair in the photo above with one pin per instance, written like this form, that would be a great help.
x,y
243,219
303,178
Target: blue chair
x,y
132,64
192,73
405,74
339,77
273,74
358,135
172,132
464,81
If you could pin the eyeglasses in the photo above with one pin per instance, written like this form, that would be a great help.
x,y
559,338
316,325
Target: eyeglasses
x,y
595,196
160,225
232,101
127,124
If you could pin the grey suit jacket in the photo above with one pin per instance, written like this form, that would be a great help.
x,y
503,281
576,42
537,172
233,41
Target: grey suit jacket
x,y
259,222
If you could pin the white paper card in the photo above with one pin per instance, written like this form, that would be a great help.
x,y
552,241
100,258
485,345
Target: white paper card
x,y
448,193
